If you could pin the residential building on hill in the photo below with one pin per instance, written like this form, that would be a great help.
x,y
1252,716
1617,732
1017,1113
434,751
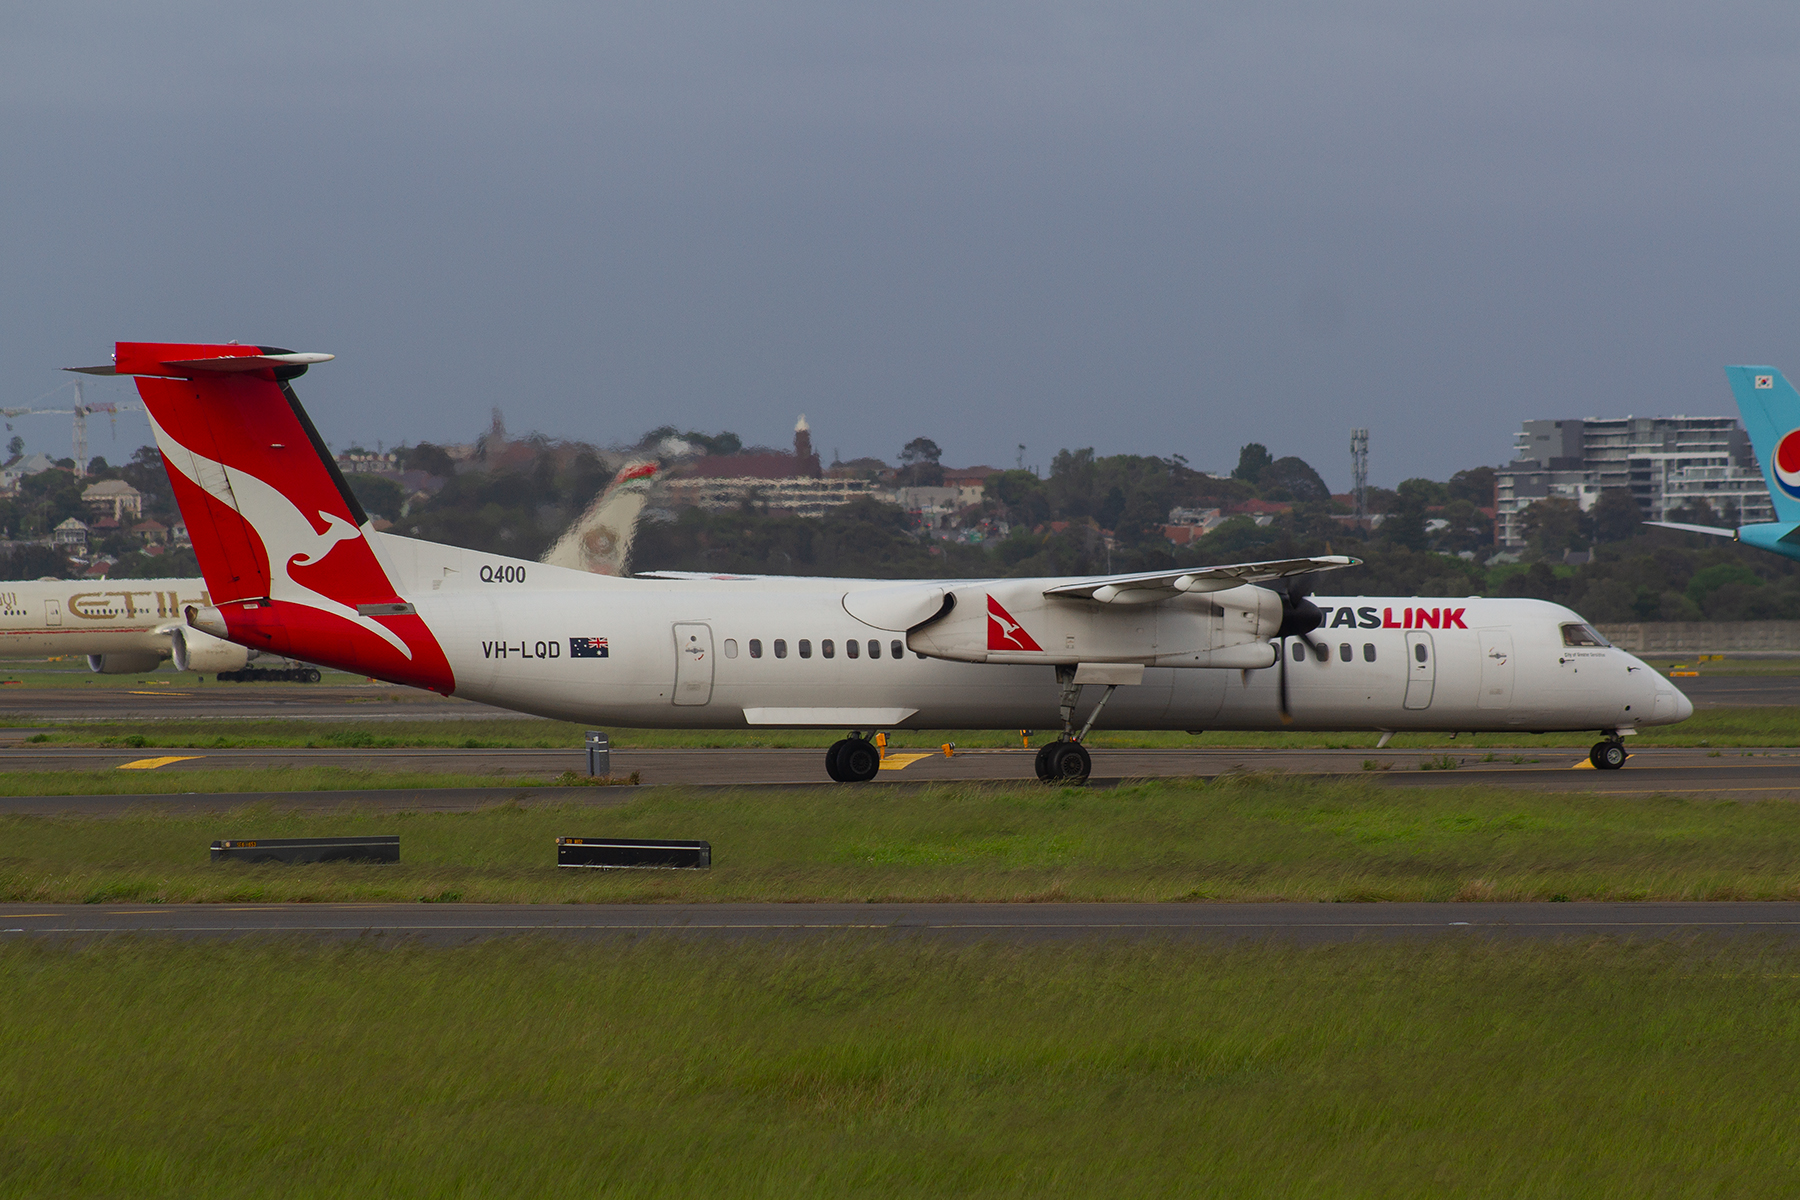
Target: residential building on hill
x,y
1664,463
114,498
790,483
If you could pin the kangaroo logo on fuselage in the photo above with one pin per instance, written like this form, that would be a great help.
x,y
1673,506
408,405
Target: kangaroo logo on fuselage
x,y
1004,633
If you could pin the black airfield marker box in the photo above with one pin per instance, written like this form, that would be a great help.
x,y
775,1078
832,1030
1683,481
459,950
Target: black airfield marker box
x,y
631,852
308,850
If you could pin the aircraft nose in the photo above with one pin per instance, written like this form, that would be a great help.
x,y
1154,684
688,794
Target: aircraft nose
x,y
1684,708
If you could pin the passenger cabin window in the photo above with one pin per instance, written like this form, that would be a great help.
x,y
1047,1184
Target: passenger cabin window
x,y
874,648
755,647
1346,653
730,647
897,649
1368,651
851,648
1583,635
828,648
805,648
1300,651
1322,652
1419,651
780,648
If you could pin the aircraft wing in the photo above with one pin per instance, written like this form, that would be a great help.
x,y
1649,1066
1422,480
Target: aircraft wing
x,y
1149,587
1714,531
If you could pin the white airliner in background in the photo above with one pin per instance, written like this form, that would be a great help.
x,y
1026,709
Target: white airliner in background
x,y
122,626
293,567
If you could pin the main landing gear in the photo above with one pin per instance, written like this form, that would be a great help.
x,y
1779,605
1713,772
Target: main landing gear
x,y
1066,760
853,759
1608,755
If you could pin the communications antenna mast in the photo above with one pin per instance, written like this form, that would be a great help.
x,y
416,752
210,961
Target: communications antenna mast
x,y
1359,470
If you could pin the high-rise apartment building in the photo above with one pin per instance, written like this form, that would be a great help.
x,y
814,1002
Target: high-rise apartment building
x,y
1664,463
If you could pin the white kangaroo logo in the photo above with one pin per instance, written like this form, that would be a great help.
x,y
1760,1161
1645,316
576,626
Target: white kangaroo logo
x,y
283,528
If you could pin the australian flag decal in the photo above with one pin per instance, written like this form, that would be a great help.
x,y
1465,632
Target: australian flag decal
x,y
587,648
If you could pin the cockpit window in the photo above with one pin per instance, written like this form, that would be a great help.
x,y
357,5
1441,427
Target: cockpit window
x,y
1583,635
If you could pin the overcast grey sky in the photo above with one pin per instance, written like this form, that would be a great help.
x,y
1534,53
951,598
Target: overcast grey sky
x,y
1146,228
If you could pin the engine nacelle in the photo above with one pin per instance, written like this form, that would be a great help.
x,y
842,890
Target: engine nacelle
x,y
196,651
124,662
1014,622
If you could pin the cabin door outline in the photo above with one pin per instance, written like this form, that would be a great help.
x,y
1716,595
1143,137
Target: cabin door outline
x,y
693,663
1421,669
1496,670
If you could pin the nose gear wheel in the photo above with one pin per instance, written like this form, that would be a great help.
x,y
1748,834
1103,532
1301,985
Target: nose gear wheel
x,y
852,760
1608,756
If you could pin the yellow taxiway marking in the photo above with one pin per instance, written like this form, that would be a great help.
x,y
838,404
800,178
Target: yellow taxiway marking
x,y
150,764
899,762
189,695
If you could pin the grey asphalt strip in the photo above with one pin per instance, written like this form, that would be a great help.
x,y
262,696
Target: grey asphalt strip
x,y
1296,922
1748,774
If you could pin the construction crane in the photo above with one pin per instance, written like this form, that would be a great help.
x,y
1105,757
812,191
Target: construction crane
x,y
80,412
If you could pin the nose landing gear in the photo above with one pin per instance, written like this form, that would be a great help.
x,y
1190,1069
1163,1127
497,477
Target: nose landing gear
x,y
1608,755
853,759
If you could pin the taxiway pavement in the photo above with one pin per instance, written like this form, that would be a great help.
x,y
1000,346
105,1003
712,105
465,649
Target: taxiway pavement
x,y
187,700
1698,772
1296,922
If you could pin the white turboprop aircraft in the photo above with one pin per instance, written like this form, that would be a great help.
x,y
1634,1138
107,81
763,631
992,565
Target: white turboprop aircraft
x,y
122,626
294,567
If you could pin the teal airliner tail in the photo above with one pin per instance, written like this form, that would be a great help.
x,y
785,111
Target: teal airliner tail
x,y
1771,411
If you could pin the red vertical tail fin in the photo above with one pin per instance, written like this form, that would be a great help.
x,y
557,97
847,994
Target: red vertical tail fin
x,y
281,539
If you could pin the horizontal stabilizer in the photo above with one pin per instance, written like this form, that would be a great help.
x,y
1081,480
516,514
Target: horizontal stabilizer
x,y
1714,531
184,361
248,362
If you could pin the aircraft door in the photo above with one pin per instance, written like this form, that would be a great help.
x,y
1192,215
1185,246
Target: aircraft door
x,y
1496,669
1421,669
53,612
693,664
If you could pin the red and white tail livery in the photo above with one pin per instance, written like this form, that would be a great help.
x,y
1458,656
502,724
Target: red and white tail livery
x,y
282,542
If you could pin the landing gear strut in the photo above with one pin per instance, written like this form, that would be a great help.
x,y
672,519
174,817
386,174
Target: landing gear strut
x,y
853,759
1066,760
1608,755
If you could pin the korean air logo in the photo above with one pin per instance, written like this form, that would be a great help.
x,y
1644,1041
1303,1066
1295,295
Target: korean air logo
x,y
1787,463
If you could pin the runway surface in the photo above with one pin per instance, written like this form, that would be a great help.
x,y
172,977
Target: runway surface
x,y
1302,923
1720,774
185,699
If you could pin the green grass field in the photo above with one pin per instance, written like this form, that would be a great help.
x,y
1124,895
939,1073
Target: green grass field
x,y
1242,838
1773,726
880,1066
